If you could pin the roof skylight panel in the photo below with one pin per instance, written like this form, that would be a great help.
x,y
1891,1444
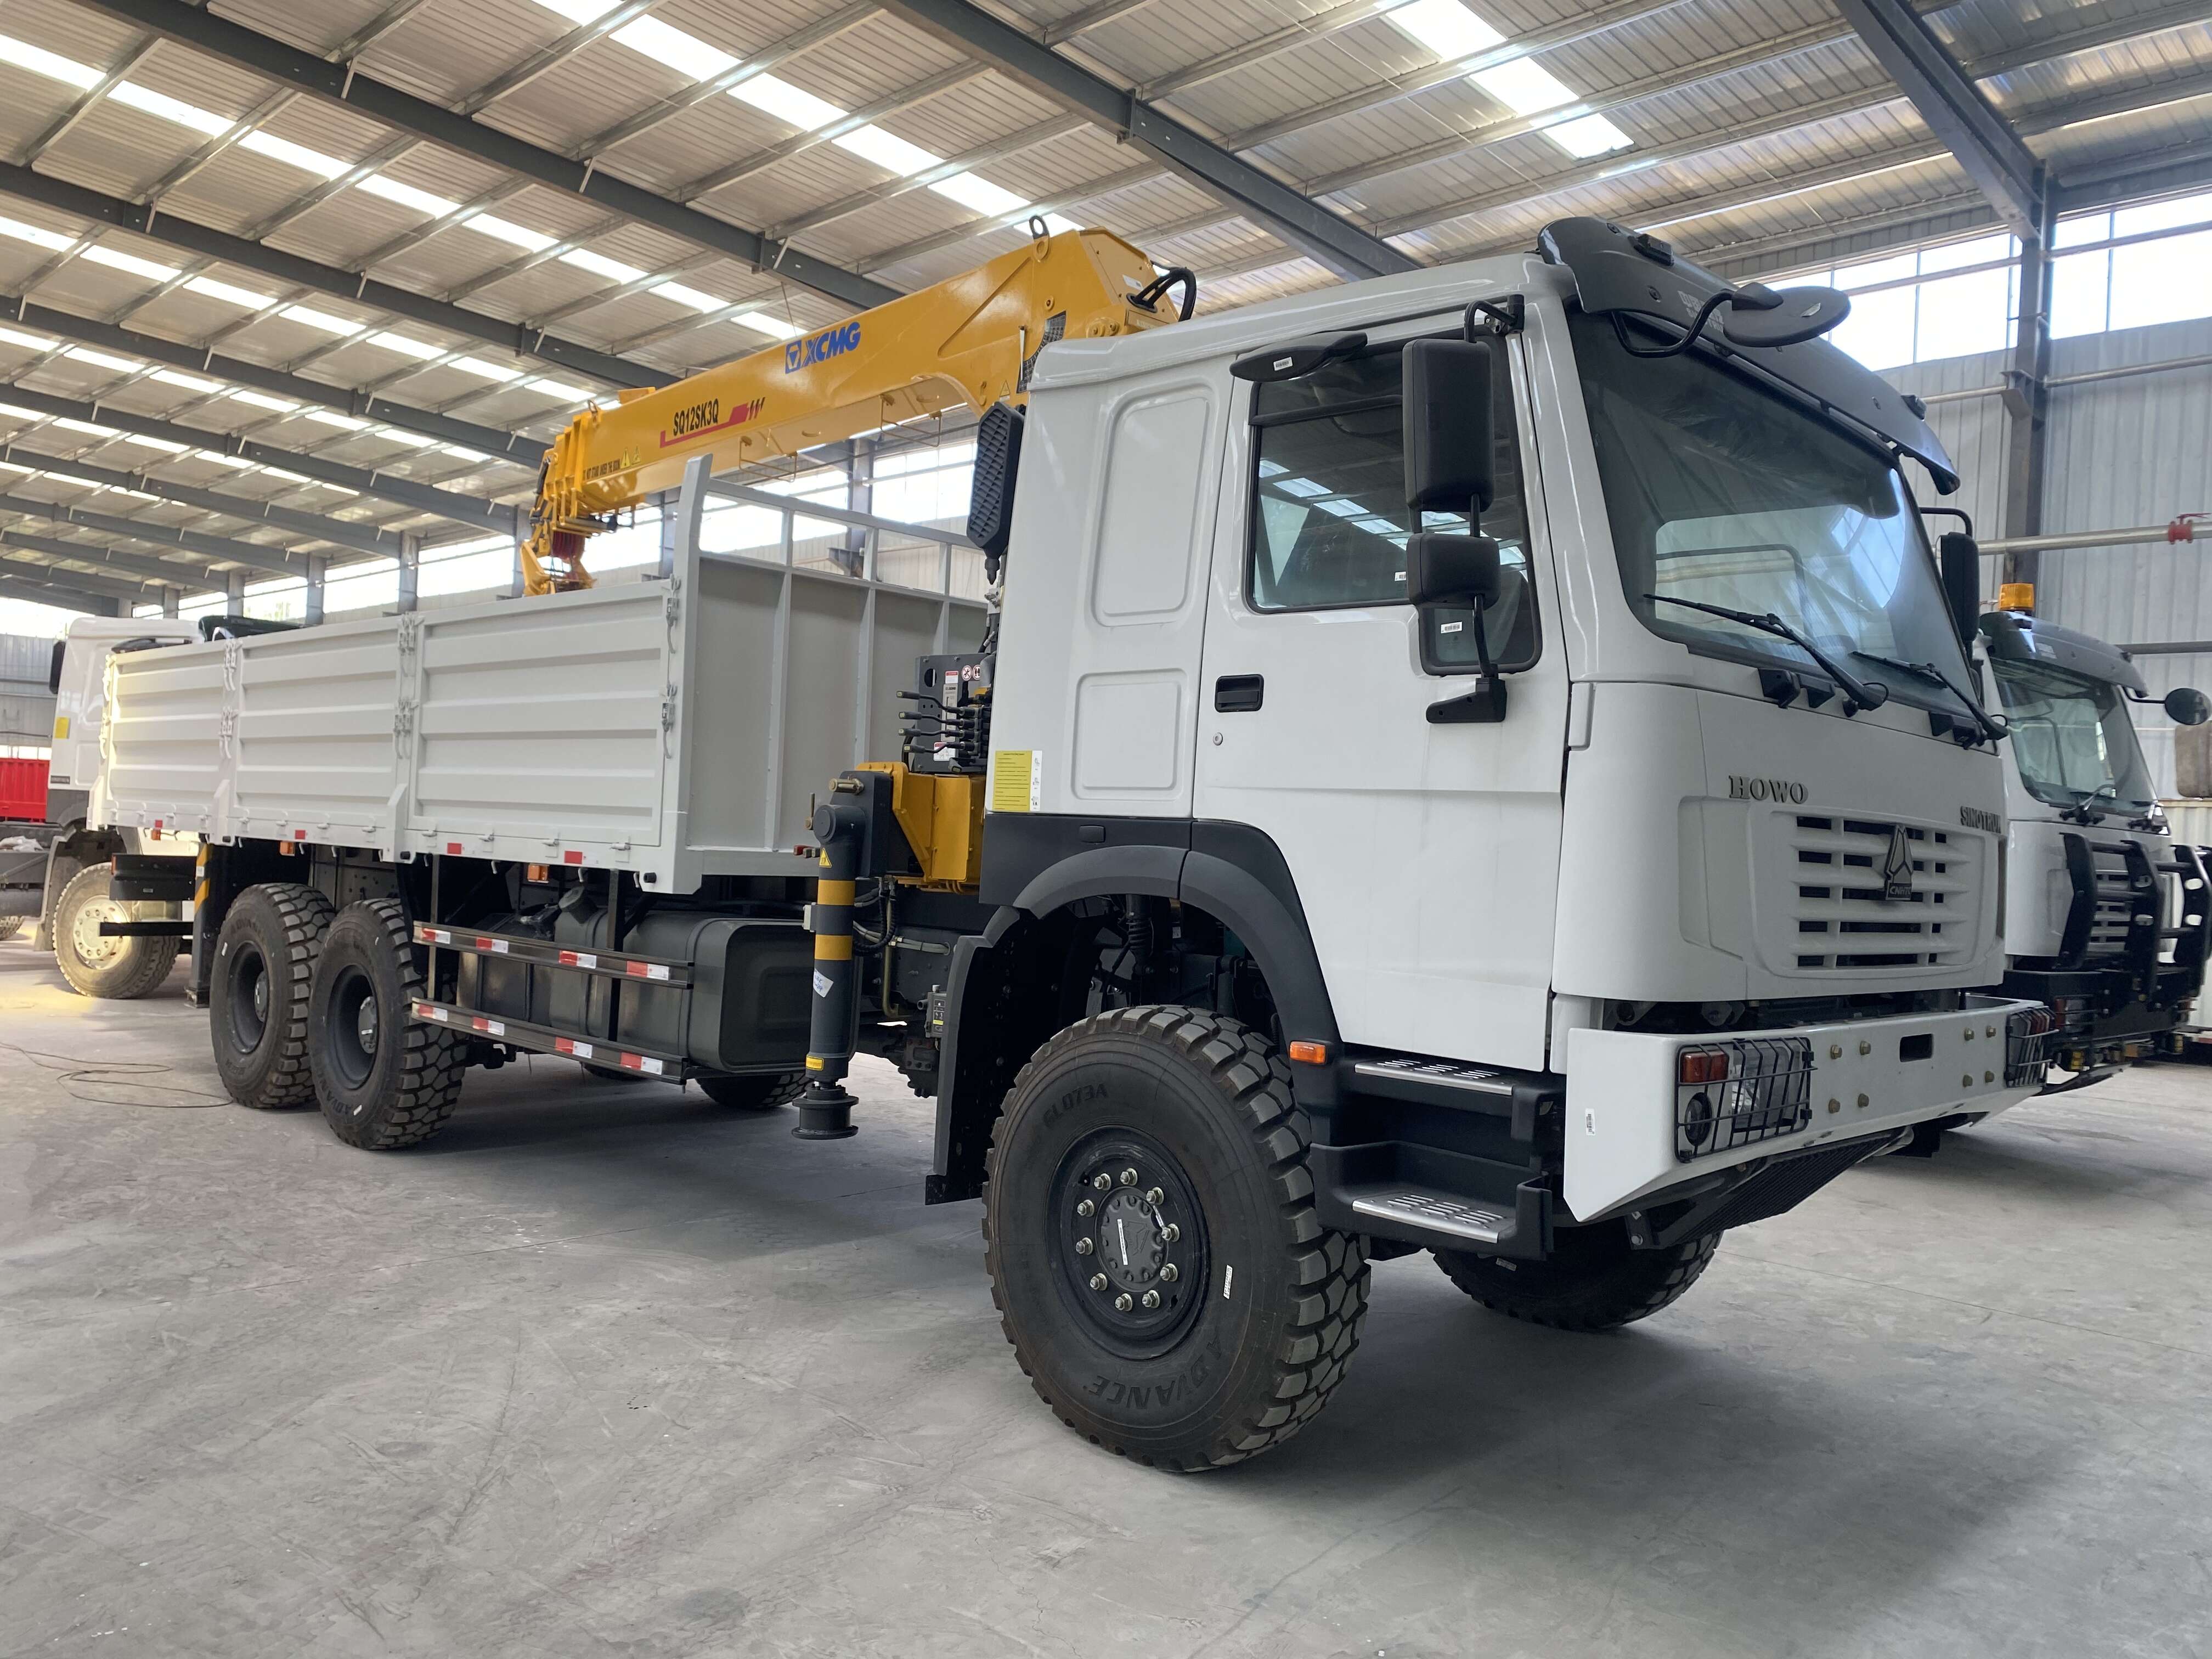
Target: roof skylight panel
x,y
205,122
322,320
298,155
599,265
1452,32
973,190
532,241
437,207
230,293
672,48
887,150
16,336
104,360
55,67
405,347
117,259
687,296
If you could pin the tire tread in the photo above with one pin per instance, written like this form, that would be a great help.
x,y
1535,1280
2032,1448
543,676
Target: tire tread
x,y
1312,1356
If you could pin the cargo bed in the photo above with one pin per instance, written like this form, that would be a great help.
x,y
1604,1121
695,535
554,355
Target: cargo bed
x,y
676,726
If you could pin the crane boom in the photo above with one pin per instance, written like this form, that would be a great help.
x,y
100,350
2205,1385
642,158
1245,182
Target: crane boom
x,y
969,340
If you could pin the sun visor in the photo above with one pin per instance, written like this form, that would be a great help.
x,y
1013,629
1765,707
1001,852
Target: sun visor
x,y
2013,638
1616,269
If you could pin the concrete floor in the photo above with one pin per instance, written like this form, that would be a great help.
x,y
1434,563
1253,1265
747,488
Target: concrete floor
x,y
605,1372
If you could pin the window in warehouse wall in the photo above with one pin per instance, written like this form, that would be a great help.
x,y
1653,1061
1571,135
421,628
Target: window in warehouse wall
x,y
371,585
2134,284
282,598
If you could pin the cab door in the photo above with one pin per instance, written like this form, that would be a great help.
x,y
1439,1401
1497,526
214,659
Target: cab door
x,y
1426,853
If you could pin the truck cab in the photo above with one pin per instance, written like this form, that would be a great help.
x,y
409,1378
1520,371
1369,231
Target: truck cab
x,y
73,903
2105,918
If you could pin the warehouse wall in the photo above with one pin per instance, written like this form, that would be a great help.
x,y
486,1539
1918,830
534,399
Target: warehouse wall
x,y
26,708
2125,453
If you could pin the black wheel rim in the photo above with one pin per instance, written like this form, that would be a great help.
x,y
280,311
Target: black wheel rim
x,y
354,1027
248,997
1131,1241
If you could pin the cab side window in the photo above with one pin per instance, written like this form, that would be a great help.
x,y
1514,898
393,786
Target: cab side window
x,y
1329,518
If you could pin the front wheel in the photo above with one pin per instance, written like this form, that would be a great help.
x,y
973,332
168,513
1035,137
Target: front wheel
x,y
98,965
1594,1280
382,1080
1149,1226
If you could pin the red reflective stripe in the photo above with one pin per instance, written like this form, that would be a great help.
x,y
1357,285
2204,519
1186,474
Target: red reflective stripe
x,y
572,856
299,834
636,969
482,944
567,958
634,1063
453,847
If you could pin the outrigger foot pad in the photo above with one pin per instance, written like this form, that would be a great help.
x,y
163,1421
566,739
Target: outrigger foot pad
x,y
825,1113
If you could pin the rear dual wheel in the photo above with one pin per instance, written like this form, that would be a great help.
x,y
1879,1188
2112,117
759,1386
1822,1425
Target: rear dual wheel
x,y
383,1081
1154,1253
261,993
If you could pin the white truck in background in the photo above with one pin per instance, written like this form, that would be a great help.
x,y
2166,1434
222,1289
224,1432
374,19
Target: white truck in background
x,y
2108,920
106,900
1478,761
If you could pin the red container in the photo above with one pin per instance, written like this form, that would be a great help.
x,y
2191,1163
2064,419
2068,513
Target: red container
x,y
24,791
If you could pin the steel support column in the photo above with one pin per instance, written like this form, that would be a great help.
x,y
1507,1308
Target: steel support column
x,y
410,572
2027,393
313,609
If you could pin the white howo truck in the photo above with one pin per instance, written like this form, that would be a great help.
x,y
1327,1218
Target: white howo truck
x,y
1479,760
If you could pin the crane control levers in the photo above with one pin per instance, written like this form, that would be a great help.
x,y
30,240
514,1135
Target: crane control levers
x,y
969,340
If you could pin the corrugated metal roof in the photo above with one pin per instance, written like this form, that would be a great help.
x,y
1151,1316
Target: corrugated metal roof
x,y
1753,125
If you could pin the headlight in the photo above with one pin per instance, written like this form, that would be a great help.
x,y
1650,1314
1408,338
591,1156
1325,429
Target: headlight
x,y
1729,1094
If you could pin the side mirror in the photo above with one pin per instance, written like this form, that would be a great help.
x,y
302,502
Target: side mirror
x,y
1451,569
54,672
1460,571
1761,316
1961,557
1448,429
2186,706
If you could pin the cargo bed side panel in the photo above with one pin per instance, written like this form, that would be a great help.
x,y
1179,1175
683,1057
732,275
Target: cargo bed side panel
x,y
544,725
163,746
316,717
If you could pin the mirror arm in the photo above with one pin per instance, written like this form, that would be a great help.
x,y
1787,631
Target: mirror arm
x,y
1690,337
1506,316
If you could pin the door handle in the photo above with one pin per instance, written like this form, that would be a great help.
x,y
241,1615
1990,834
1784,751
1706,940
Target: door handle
x,y
1238,694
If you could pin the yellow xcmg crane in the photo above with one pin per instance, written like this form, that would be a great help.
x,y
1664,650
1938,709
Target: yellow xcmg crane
x,y
969,340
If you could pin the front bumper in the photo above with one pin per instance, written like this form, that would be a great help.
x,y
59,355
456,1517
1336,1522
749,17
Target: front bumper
x,y
1633,1129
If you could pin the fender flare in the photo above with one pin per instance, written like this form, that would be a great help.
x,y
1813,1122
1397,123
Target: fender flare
x,y
1251,895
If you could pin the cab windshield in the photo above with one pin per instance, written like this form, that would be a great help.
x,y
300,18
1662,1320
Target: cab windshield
x,y
1727,493
2072,739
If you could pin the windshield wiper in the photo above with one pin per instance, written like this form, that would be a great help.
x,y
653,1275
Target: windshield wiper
x,y
1990,728
2084,811
1857,693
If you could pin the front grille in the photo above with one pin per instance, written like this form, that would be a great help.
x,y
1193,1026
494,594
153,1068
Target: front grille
x,y
2115,902
1843,916
1768,1091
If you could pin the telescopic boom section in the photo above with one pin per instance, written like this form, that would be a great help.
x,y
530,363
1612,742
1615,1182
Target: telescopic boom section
x,y
969,340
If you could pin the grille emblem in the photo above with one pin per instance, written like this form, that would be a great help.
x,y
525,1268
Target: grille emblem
x,y
1897,867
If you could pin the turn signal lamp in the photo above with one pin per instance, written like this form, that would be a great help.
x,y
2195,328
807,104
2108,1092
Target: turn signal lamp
x,y
2017,596
1703,1065
1309,1053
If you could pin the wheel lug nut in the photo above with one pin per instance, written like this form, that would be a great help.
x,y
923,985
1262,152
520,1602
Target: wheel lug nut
x,y
1151,1298
1099,1281
1082,1246
1086,1208
1169,1273
1153,1195
1128,1178
1103,1183
1122,1304
1169,1233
